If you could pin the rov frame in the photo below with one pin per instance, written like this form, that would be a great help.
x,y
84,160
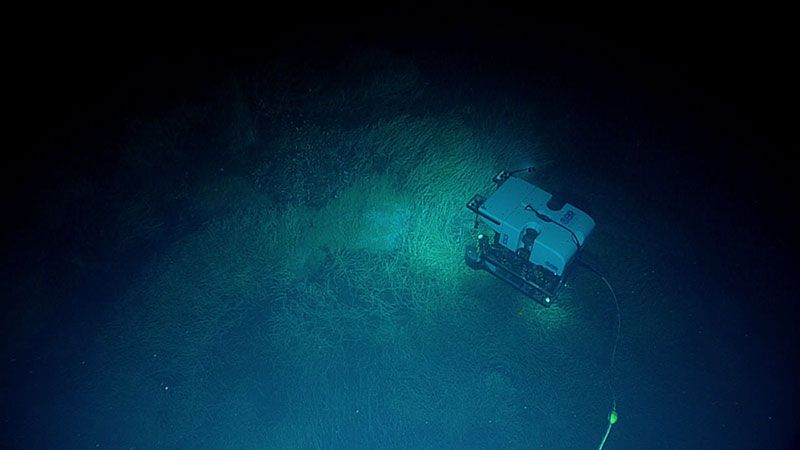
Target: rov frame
x,y
537,237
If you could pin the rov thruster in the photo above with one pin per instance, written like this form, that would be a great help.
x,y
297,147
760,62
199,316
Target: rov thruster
x,y
537,238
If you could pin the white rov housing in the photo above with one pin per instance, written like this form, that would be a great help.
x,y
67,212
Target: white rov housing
x,y
537,237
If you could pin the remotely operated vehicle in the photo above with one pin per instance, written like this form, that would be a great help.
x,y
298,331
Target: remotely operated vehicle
x,y
537,242
537,237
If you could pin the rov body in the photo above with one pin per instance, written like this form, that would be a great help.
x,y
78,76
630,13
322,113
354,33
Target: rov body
x,y
537,237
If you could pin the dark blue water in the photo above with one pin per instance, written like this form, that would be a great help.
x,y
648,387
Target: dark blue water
x,y
177,275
